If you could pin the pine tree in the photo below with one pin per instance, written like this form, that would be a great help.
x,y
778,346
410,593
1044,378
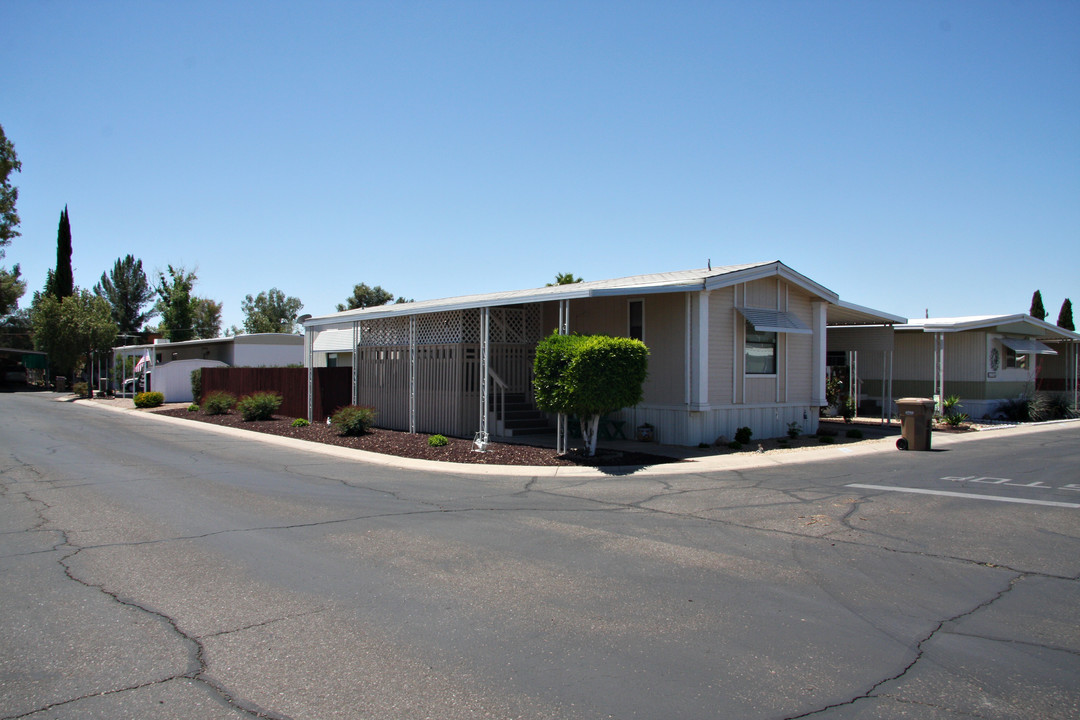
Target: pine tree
x,y
64,285
1065,317
1037,310
128,291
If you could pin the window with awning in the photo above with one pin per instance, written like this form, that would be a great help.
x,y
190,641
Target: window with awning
x,y
1027,346
775,321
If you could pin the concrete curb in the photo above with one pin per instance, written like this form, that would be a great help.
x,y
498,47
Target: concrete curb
x,y
689,466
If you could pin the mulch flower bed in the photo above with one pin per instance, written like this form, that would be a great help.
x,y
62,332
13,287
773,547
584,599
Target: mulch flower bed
x,y
402,444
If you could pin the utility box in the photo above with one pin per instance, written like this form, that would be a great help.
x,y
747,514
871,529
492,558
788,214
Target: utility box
x,y
916,419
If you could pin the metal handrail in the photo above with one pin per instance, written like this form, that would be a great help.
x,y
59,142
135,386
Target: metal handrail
x,y
500,397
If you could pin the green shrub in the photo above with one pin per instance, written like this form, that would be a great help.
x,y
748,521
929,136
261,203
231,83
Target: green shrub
x,y
848,410
1017,410
956,419
196,384
854,433
703,446
1051,406
793,430
149,400
589,376
437,441
826,439
79,388
300,422
219,403
193,407
743,434
259,406
735,445
353,419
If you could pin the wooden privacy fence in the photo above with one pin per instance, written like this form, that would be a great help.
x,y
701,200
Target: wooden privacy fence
x,y
333,387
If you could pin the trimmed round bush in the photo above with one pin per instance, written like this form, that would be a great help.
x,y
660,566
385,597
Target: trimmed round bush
x,y
743,434
353,419
437,441
300,422
193,407
149,400
218,403
259,406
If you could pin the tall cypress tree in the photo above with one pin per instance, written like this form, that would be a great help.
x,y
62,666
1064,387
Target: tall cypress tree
x,y
1037,310
64,283
1065,318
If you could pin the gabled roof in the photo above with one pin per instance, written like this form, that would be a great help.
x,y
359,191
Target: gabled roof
x,y
252,338
680,281
1018,324
845,313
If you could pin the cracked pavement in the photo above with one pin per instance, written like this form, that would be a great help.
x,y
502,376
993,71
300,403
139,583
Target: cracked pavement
x,y
158,571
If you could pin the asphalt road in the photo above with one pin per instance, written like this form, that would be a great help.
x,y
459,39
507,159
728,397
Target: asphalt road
x,y
153,570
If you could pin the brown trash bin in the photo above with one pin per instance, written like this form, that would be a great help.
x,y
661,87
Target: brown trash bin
x,y
916,419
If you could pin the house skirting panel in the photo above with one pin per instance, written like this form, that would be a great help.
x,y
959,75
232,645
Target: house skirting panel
x,y
676,425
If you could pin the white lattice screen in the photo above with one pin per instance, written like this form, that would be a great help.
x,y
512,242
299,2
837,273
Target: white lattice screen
x,y
512,325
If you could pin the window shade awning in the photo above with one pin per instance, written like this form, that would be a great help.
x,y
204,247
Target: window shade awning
x,y
778,321
1027,347
333,341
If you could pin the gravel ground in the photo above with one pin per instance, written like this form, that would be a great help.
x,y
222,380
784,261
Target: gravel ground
x,y
403,444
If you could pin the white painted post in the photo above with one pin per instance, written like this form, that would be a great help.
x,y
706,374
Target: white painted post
x,y
309,342
562,429
481,440
818,308
412,374
356,362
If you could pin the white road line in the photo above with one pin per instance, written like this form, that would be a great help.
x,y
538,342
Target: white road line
x,y
969,496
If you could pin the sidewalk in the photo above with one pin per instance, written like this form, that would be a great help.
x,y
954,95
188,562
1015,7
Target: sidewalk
x,y
693,460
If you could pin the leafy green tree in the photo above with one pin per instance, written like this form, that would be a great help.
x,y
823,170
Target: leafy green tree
x,y
175,304
364,296
72,328
589,376
1065,316
12,288
64,278
9,194
128,292
1037,310
271,312
206,318
565,279
15,331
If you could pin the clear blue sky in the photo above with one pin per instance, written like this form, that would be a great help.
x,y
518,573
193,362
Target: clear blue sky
x,y
907,155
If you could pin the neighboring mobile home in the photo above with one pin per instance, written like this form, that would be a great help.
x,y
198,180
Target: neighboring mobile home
x,y
731,346
257,350
985,360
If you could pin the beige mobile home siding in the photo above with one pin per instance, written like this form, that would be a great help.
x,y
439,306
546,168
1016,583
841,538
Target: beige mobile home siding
x,y
800,360
665,336
965,357
721,354
762,294
914,356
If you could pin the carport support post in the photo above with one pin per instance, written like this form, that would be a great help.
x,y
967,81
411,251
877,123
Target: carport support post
x,y
562,430
412,375
355,363
939,370
485,368
309,360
